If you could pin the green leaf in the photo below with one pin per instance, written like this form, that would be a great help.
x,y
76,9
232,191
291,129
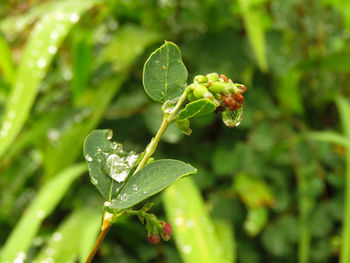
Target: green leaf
x,y
46,200
194,231
65,243
256,220
254,26
330,137
109,165
197,108
40,49
150,180
226,236
164,74
253,192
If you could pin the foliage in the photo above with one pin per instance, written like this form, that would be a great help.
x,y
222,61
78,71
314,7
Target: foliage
x,y
278,183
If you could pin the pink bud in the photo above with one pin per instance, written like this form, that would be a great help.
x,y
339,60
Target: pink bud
x,y
153,238
166,231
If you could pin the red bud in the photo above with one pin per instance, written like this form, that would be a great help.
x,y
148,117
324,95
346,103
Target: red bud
x,y
153,238
166,231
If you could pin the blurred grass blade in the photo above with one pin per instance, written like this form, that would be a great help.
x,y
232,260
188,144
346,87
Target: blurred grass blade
x,y
38,53
330,137
82,62
91,229
6,63
46,200
225,234
255,29
64,244
344,112
193,229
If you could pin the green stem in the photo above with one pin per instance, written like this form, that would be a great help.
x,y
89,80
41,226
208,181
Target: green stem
x,y
167,120
345,250
151,148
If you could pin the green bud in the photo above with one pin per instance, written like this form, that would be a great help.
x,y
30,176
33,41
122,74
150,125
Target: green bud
x,y
200,91
200,79
212,77
184,126
218,87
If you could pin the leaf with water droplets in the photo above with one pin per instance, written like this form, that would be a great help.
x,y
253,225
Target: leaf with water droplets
x,y
197,108
232,118
150,180
164,73
109,164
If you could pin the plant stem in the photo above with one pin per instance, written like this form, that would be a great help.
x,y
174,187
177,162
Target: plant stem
x,y
151,148
167,120
106,225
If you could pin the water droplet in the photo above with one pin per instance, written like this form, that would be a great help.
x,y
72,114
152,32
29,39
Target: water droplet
x,y
54,35
135,187
57,236
187,249
40,214
53,135
169,105
21,256
50,251
93,180
232,118
189,223
41,63
52,49
59,16
109,134
88,157
11,115
156,61
179,221
74,17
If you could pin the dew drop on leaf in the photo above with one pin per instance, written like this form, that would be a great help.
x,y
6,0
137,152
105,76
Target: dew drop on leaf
x,y
232,118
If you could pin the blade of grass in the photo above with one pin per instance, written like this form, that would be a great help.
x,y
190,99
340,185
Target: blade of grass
x,y
193,229
329,136
344,112
46,200
65,242
39,51
6,63
255,29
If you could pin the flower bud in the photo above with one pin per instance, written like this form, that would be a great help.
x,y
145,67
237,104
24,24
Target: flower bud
x,y
200,91
166,231
200,79
212,77
184,126
153,238
218,87
223,78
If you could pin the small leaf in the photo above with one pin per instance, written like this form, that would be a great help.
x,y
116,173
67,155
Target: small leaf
x,y
197,108
253,192
164,74
152,179
256,220
232,118
109,164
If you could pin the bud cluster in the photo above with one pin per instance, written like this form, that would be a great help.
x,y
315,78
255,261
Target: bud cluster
x,y
157,229
219,89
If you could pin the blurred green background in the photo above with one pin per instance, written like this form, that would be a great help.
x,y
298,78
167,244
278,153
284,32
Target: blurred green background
x,y
274,189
